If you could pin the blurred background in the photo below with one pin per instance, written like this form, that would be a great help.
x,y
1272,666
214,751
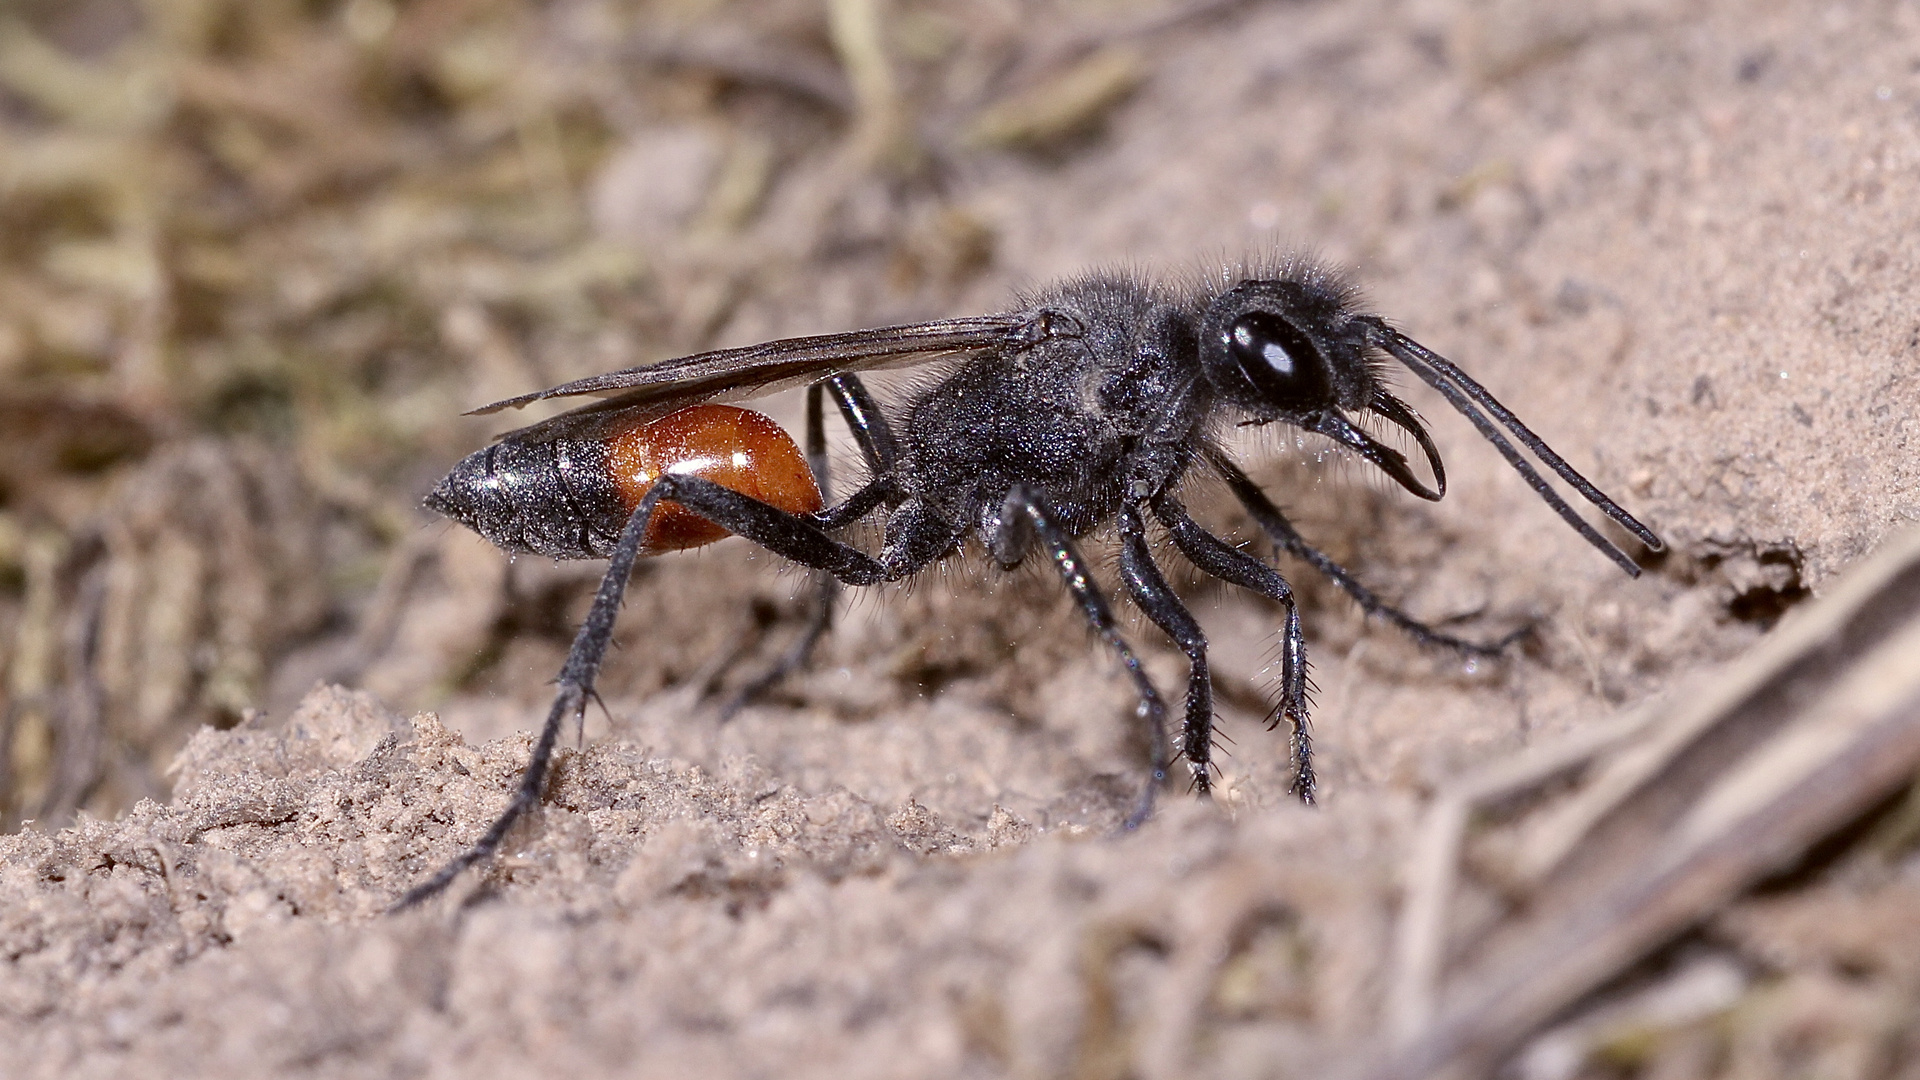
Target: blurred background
x,y
257,256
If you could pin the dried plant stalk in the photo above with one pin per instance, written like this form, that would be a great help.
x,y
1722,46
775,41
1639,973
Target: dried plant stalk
x,y
1729,783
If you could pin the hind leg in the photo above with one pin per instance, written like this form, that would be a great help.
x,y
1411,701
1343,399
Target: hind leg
x,y
796,536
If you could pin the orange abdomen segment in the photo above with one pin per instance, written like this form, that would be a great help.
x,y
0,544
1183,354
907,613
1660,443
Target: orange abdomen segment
x,y
735,448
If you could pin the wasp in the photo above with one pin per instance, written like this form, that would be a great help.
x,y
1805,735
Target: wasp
x,y
1091,402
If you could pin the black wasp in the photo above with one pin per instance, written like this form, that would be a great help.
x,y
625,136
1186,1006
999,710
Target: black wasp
x,y
1091,402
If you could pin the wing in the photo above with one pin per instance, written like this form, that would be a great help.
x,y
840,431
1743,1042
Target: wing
x,y
758,369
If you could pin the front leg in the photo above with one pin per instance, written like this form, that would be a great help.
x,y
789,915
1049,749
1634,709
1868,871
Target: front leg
x,y
1287,538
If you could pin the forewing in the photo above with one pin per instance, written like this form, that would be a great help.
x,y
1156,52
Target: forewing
x,y
758,369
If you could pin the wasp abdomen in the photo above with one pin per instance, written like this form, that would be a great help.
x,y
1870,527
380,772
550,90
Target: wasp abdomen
x,y
568,496
735,448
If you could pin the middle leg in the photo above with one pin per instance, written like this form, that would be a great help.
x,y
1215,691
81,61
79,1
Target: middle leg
x,y
1150,590
1228,563
1024,506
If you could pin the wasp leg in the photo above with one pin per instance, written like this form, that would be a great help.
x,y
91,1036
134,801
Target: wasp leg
x,y
575,687
795,536
1228,563
825,590
875,439
869,426
1022,511
1283,534
1150,590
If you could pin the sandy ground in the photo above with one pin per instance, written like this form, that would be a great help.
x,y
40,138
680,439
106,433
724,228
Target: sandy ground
x,y
1678,239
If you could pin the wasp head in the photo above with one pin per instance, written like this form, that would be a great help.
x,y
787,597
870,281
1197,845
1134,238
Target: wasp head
x,y
1292,351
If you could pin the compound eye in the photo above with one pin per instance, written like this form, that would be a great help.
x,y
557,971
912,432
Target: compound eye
x,y
1280,361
